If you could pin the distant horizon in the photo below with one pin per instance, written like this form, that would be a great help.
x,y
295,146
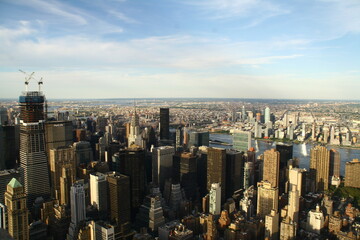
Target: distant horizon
x,y
189,98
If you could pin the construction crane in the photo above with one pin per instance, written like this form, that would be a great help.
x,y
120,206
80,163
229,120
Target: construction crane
x,y
28,78
40,82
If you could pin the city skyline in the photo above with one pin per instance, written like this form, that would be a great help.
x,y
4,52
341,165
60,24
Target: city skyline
x,y
217,49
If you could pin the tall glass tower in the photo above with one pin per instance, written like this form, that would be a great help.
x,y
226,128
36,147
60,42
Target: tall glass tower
x,y
33,161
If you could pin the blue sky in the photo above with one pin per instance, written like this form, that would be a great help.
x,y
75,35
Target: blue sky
x,y
213,48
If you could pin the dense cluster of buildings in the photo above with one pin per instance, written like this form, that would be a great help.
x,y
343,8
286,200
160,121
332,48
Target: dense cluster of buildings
x,y
108,177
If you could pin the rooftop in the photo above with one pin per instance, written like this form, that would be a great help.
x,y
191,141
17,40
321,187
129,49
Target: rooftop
x,y
14,183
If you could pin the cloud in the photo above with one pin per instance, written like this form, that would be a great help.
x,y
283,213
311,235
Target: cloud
x,y
55,8
174,52
255,11
59,17
122,16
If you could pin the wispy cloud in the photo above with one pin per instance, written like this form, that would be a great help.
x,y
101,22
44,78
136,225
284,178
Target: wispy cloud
x,y
64,17
56,8
122,16
176,52
255,11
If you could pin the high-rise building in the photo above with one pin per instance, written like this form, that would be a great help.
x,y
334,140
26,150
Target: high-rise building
x,y
267,115
296,178
179,138
132,164
83,152
287,229
198,139
258,117
234,172
248,175
58,158
243,113
9,142
98,191
3,217
58,134
17,212
78,208
271,167
164,123
352,173
294,204
241,140
162,161
319,167
134,136
5,177
33,160
188,178
313,132
216,169
119,197
334,169
267,198
215,199
66,181
77,196
315,220
103,230
286,153
151,213
272,225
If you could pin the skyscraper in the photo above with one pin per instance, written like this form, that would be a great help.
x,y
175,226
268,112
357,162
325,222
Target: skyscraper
x,y
33,161
215,199
216,169
267,198
134,136
272,225
119,197
271,167
162,161
98,191
234,172
77,196
286,153
267,114
243,113
188,178
352,173
241,140
58,134
120,204
58,158
78,213
164,123
319,167
132,164
334,169
17,213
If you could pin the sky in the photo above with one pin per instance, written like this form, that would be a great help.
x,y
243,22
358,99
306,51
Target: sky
x,y
292,49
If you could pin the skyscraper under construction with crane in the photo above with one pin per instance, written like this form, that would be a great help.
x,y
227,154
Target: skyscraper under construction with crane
x,y
33,161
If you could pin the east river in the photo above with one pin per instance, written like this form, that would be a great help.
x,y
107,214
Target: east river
x,y
301,151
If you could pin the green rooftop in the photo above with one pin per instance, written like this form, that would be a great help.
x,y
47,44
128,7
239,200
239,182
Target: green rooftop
x,y
14,183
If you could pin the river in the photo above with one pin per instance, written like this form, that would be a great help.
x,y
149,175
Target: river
x,y
301,151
